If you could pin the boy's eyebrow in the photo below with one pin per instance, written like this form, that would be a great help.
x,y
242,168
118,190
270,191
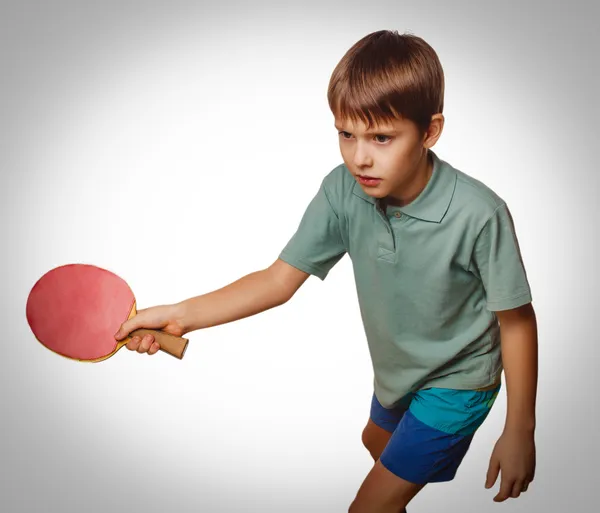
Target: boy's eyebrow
x,y
369,132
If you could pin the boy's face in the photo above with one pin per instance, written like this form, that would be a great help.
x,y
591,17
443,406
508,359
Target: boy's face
x,y
393,154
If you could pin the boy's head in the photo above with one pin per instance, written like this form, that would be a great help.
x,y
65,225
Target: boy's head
x,y
394,85
387,76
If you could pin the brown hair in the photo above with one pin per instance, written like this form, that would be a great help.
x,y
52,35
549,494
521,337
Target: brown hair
x,y
386,76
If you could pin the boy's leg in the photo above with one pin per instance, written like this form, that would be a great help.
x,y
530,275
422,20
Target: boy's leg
x,y
382,491
375,438
381,424
425,448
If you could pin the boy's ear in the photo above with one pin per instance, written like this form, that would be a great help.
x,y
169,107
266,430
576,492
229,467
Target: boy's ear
x,y
434,131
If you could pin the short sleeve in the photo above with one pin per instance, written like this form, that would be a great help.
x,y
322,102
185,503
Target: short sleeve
x,y
498,263
317,244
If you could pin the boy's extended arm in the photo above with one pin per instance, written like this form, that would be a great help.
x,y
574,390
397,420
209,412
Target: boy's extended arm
x,y
250,295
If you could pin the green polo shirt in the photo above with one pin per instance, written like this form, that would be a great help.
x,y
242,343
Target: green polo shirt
x,y
429,276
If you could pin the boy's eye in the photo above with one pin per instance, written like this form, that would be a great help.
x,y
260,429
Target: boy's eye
x,y
347,135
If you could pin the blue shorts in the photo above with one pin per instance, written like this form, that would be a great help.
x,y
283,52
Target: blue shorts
x,y
431,431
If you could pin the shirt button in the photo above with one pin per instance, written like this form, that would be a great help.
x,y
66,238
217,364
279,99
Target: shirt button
x,y
398,214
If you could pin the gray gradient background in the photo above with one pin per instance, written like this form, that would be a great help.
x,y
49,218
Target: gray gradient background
x,y
178,144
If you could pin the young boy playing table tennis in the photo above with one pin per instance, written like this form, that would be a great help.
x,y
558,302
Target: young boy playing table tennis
x,y
442,288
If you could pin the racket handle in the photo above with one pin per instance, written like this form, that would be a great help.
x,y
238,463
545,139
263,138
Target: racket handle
x,y
171,344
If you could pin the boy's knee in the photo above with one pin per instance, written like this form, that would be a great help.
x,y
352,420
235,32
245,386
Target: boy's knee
x,y
374,438
367,438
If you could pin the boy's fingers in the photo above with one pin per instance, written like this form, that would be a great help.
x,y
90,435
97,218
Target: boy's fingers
x,y
125,329
517,488
506,487
133,344
492,473
154,348
145,344
136,322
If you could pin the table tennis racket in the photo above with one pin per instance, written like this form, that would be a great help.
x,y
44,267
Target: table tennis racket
x,y
75,310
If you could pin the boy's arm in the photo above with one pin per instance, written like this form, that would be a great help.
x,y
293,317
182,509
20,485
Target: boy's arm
x,y
514,452
518,339
250,295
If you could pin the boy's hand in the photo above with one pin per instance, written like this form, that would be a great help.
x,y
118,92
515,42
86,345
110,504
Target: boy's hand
x,y
166,318
514,456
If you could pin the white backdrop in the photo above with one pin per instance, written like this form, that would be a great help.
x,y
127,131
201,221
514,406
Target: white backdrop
x,y
178,144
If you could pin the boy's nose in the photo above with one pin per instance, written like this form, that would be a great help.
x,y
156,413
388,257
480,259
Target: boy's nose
x,y
361,157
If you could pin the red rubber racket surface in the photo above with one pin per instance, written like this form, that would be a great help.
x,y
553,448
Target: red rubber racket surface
x,y
75,310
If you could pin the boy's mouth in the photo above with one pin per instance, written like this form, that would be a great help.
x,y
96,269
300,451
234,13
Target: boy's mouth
x,y
368,180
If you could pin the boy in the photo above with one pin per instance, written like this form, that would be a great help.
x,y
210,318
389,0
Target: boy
x,y
443,292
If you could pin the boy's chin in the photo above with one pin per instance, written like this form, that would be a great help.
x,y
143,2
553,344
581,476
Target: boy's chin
x,y
375,192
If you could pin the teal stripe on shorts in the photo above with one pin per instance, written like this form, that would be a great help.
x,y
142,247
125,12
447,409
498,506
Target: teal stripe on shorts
x,y
453,411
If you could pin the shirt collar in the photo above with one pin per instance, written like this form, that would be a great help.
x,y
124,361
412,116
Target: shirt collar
x,y
433,201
